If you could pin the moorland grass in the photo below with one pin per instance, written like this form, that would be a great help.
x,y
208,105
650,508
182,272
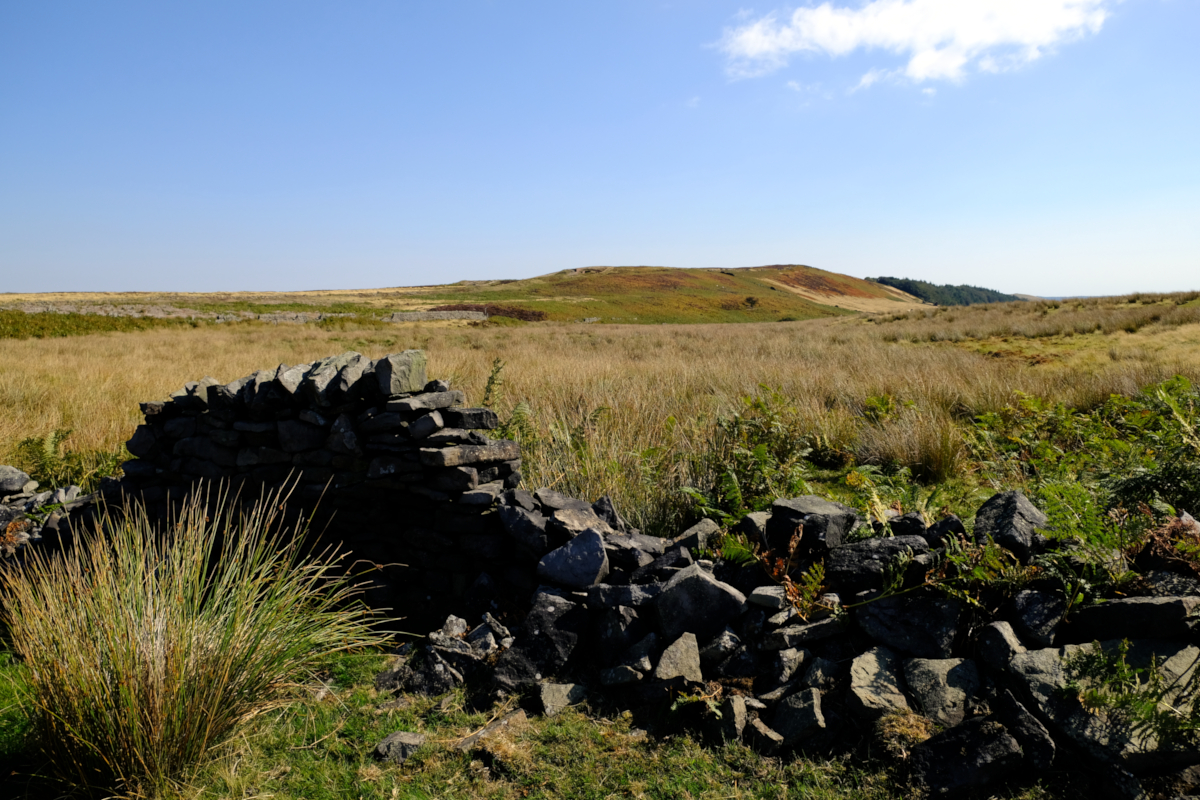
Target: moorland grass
x,y
630,410
144,649
20,325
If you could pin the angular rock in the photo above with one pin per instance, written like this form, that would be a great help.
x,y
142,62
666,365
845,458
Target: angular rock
x,y
465,455
1011,520
665,567
861,566
875,684
821,674
753,526
796,635
570,522
1035,615
973,754
744,662
946,527
320,382
426,424
921,626
627,552
616,631
342,436
1036,742
12,480
997,644
695,601
681,659
942,688
471,418
1133,618
620,675
762,738
774,597
825,524
555,697
733,718
641,655
632,596
910,524
401,373
723,645
580,563
527,528
399,746
699,537
798,718
788,662
552,501
607,511
547,638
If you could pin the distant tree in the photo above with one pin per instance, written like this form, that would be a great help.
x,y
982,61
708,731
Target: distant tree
x,y
946,294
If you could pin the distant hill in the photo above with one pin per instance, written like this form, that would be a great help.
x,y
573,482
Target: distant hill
x,y
947,294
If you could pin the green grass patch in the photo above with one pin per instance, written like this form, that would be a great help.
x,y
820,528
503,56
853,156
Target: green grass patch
x,y
20,325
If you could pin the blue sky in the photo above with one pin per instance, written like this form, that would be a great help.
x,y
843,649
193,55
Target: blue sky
x,y
1042,146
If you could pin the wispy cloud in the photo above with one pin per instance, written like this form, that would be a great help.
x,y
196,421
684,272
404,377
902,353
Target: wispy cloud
x,y
941,39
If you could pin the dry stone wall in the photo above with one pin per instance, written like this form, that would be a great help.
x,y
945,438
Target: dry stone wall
x,y
400,469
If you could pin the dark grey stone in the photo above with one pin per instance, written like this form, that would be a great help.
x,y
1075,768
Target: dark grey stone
x,y
1036,742
921,626
734,718
580,563
607,596
552,501
997,644
762,738
1035,615
471,418
796,635
942,688
141,444
695,601
861,566
605,509
617,629
720,648
798,717
433,401
822,673
773,597
570,522
699,537
825,524
1132,618
1011,520
910,524
664,567
401,373
527,528
973,754
875,684
946,527
295,436
425,425
547,638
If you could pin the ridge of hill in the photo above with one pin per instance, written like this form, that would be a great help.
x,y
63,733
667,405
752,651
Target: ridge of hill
x,y
947,294
637,295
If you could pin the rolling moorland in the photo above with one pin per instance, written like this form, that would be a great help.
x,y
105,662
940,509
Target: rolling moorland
x,y
895,404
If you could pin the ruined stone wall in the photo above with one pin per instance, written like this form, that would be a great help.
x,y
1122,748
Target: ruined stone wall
x,y
400,469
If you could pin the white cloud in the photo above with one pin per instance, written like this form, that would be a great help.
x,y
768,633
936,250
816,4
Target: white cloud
x,y
942,39
930,92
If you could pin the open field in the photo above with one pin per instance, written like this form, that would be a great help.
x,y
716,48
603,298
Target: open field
x,y
609,294
633,411
624,409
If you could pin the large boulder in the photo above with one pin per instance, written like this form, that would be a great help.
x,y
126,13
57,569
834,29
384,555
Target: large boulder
x,y
798,717
1012,522
861,566
695,601
823,524
1036,614
578,564
921,626
681,659
1133,618
401,373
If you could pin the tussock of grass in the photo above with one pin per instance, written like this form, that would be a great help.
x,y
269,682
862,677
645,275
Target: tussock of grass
x,y
145,649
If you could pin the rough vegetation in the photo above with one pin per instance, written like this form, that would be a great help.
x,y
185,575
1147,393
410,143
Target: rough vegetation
x,y
881,414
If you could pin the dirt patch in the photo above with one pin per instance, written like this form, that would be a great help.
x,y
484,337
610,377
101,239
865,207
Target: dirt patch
x,y
852,302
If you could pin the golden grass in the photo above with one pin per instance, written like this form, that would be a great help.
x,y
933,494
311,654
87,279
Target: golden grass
x,y
623,408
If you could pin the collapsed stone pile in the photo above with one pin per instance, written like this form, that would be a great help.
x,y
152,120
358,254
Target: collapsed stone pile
x,y
626,619
27,516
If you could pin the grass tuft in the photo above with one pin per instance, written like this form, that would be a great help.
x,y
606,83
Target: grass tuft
x,y
145,649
